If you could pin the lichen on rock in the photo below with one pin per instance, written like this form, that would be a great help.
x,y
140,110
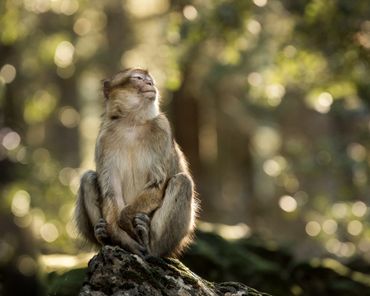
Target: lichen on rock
x,y
114,271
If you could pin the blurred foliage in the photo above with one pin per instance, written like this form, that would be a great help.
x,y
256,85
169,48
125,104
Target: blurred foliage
x,y
68,283
271,269
269,100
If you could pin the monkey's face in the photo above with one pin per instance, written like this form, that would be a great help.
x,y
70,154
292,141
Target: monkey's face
x,y
132,89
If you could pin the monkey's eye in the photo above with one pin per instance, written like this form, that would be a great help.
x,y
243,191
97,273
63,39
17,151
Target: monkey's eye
x,y
137,77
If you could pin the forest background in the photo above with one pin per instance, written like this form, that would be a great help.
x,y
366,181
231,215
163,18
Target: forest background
x,y
268,99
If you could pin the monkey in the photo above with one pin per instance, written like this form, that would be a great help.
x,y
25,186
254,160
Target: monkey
x,y
141,196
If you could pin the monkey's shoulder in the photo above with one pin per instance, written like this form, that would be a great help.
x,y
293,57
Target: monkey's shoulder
x,y
160,124
118,135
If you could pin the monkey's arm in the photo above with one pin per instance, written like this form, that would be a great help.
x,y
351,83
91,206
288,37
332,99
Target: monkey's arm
x,y
146,203
91,211
112,201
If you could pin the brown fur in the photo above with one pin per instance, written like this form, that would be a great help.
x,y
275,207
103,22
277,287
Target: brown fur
x,y
139,169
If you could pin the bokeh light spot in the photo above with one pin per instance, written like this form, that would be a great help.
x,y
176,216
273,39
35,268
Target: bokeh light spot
x,y
190,12
289,51
255,79
355,227
64,54
260,3
330,226
49,232
339,210
24,221
333,245
22,155
347,249
69,117
21,203
254,27
266,140
357,152
11,140
288,203
145,8
323,102
38,219
274,93
26,265
82,26
364,245
69,7
66,175
8,73
359,209
272,167
313,228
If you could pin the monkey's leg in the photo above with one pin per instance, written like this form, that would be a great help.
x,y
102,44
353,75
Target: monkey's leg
x,y
148,201
174,220
118,235
87,213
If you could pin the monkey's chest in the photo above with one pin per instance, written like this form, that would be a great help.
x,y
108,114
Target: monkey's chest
x,y
134,165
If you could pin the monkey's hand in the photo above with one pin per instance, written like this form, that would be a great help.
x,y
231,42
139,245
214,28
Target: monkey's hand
x,y
124,240
137,225
156,178
142,229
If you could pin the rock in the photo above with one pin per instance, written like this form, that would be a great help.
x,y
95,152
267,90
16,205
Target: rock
x,y
113,271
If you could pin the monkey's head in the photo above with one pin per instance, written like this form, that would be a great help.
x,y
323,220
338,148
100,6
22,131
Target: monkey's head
x,y
131,92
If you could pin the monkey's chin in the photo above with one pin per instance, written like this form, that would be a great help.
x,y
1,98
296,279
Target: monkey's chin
x,y
150,95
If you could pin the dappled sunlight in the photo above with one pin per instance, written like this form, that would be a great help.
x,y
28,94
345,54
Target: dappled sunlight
x,y
61,262
341,269
272,114
230,232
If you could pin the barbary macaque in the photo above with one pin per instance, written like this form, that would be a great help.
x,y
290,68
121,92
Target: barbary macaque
x,y
141,196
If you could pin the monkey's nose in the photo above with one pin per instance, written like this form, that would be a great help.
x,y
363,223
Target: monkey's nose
x,y
149,82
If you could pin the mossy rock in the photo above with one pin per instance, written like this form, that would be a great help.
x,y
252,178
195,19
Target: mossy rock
x,y
113,271
211,258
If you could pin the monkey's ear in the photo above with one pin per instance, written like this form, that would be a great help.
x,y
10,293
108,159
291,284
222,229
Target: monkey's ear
x,y
106,87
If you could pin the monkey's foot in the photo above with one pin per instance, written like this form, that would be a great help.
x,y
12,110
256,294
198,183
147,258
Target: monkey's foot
x,y
101,232
142,227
